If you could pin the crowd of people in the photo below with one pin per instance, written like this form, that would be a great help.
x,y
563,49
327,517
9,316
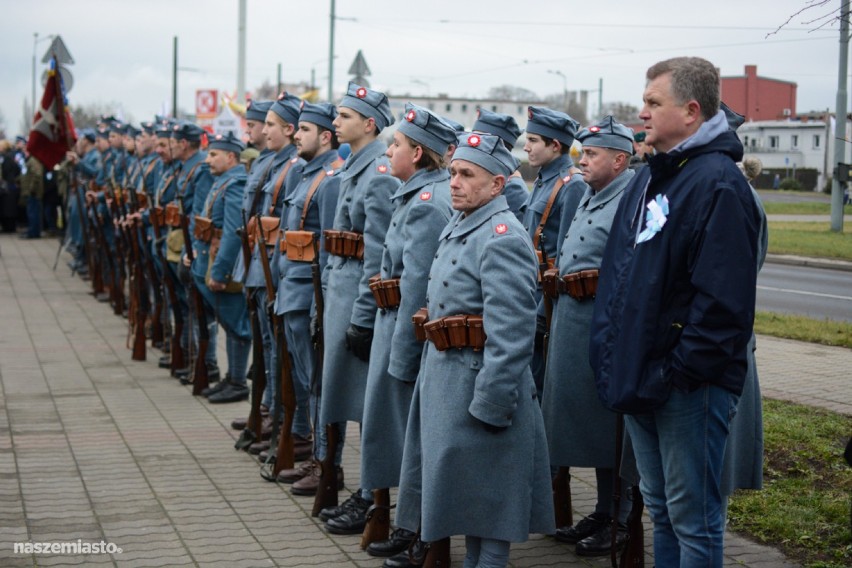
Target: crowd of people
x,y
486,336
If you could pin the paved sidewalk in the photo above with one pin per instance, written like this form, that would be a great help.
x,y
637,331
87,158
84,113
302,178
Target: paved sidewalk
x,y
97,447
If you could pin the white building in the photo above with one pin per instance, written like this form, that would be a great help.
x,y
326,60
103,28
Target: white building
x,y
788,146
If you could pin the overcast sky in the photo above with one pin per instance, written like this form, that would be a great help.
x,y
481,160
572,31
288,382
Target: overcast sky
x,y
123,49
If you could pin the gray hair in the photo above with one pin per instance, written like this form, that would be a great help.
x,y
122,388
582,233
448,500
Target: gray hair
x,y
693,78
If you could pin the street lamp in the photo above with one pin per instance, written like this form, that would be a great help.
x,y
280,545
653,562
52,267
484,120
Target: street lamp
x,y
564,87
36,41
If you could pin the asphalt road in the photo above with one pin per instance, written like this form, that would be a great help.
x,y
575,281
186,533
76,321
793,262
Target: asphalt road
x,y
814,292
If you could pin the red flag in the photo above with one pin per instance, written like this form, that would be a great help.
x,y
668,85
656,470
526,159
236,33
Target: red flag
x,y
52,133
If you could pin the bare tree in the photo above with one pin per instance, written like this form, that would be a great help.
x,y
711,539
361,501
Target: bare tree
x,y
88,115
827,15
621,111
267,91
574,108
512,93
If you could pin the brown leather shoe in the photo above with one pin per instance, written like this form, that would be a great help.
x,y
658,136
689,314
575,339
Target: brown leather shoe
x,y
308,484
297,473
241,423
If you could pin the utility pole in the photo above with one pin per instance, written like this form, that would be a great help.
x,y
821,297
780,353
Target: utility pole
x,y
331,56
174,76
840,123
600,98
279,80
241,54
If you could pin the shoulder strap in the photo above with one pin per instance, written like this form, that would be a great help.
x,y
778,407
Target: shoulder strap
x,y
546,213
147,173
279,181
209,209
188,177
313,189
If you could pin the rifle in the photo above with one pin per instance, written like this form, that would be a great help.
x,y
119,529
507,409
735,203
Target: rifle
x,y
137,290
562,480
119,275
284,456
254,425
327,490
177,357
200,378
633,555
107,267
378,519
94,260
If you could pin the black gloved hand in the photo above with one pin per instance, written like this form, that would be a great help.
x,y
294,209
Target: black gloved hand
x,y
358,341
315,329
540,331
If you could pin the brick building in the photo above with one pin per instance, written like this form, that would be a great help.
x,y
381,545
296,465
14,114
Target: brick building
x,y
759,98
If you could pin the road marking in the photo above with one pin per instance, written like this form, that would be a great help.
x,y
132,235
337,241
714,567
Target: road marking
x,y
804,293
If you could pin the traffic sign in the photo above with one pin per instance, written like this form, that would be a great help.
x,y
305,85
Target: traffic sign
x,y
206,103
57,47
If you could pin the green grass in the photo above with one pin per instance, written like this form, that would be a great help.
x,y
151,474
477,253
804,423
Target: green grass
x,y
797,208
826,332
804,505
810,239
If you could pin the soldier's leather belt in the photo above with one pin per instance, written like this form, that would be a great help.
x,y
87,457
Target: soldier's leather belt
x,y
348,244
580,285
386,292
459,331
205,231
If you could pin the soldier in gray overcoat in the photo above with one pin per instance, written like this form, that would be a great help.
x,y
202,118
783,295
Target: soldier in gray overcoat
x,y
422,211
580,430
364,209
516,191
475,460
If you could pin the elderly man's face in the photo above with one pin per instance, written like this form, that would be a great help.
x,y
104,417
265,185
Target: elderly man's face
x,y
666,120
472,186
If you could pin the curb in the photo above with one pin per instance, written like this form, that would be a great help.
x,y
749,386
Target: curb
x,y
813,262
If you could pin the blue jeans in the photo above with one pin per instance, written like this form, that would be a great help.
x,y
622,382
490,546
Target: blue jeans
x,y
679,452
34,214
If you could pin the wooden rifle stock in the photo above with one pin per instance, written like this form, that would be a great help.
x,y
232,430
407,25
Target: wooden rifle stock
x,y
327,490
378,519
138,290
285,453
200,378
562,498
633,554
438,554
254,425
177,358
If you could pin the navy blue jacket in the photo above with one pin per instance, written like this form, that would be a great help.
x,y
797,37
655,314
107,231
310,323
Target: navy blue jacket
x,y
681,305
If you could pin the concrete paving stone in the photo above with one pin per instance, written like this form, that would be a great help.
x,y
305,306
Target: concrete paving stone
x,y
16,561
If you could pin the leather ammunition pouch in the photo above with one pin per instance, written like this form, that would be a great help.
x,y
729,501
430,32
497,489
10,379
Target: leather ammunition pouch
x,y
205,231
348,244
269,226
141,200
386,292
172,216
419,320
458,331
298,245
580,285
232,286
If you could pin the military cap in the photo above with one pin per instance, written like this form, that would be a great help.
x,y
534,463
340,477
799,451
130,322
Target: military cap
x,y
501,125
185,130
88,133
457,126
287,107
735,119
103,132
488,151
639,136
226,142
149,127
256,110
369,103
163,130
552,124
321,114
131,131
426,128
607,134
118,127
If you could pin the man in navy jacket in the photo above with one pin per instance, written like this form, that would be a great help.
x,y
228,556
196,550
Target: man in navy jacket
x,y
675,308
